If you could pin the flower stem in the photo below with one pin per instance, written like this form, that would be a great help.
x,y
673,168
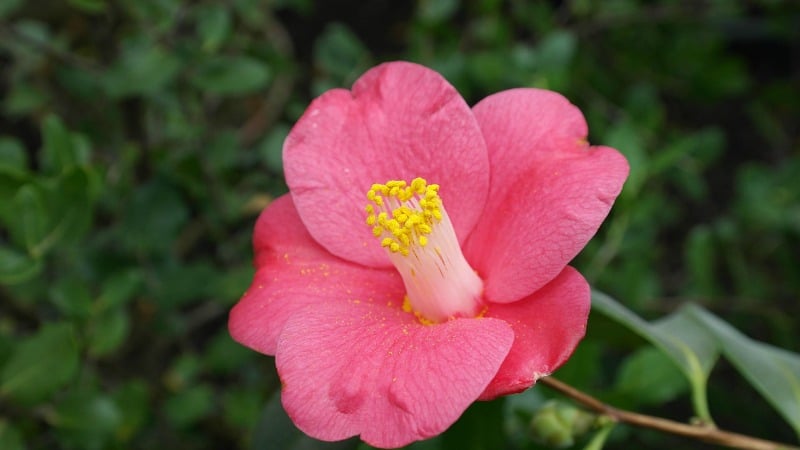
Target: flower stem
x,y
703,433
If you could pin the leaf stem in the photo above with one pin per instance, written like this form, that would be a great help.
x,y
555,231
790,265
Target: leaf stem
x,y
703,433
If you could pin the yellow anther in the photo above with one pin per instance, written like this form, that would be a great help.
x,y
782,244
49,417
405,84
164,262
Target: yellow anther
x,y
418,185
403,214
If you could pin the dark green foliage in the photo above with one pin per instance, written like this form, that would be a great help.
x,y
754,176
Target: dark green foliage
x,y
139,140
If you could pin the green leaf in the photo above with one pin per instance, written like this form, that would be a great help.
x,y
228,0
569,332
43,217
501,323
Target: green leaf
x,y
89,6
71,199
434,11
188,406
48,210
555,51
133,404
16,267
72,297
774,372
118,289
627,137
223,355
598,441
7,7
213,25
62,149
12,155
144,68
183,371
153,217
686,343
24,98
10,437
340,56
271,148
701,261
41,364
229,75
86,419
241,407
649,377
31,226
108,331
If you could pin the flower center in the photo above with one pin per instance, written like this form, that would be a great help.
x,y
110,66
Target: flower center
x,y
412,225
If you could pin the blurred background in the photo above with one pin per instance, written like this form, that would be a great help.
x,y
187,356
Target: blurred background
x,y
139,140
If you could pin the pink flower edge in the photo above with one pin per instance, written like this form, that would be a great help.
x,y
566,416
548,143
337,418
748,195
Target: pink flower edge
x,y
380,374
548,325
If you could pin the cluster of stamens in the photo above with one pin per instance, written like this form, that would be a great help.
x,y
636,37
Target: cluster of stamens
x,y
412,225
402,214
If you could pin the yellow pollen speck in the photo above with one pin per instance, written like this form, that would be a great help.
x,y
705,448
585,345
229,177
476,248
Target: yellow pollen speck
x,y
410,309
406,213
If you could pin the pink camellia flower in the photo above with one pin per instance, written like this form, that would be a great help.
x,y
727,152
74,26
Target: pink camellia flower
x,y
419,262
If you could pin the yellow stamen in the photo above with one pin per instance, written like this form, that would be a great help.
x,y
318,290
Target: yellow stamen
x,y
413,227
413,209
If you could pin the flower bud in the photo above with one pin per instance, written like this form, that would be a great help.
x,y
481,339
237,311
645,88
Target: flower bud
x,y
558,424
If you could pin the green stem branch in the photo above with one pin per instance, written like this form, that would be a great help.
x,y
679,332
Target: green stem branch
x,y
703,433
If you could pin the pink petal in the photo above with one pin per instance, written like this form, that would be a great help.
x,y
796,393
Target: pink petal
x,y
547,327
371,370
294,272
550,191
400,121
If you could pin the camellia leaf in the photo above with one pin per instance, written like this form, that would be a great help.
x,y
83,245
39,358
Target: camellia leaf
x,y
16,267
12,155
9,6
231,75
86,418
61,148
772,371
72,297
40,365
599,439
133,405
108,331
686,342
143,68
190,405
213,25
10,438
118,289
648,377
31,224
